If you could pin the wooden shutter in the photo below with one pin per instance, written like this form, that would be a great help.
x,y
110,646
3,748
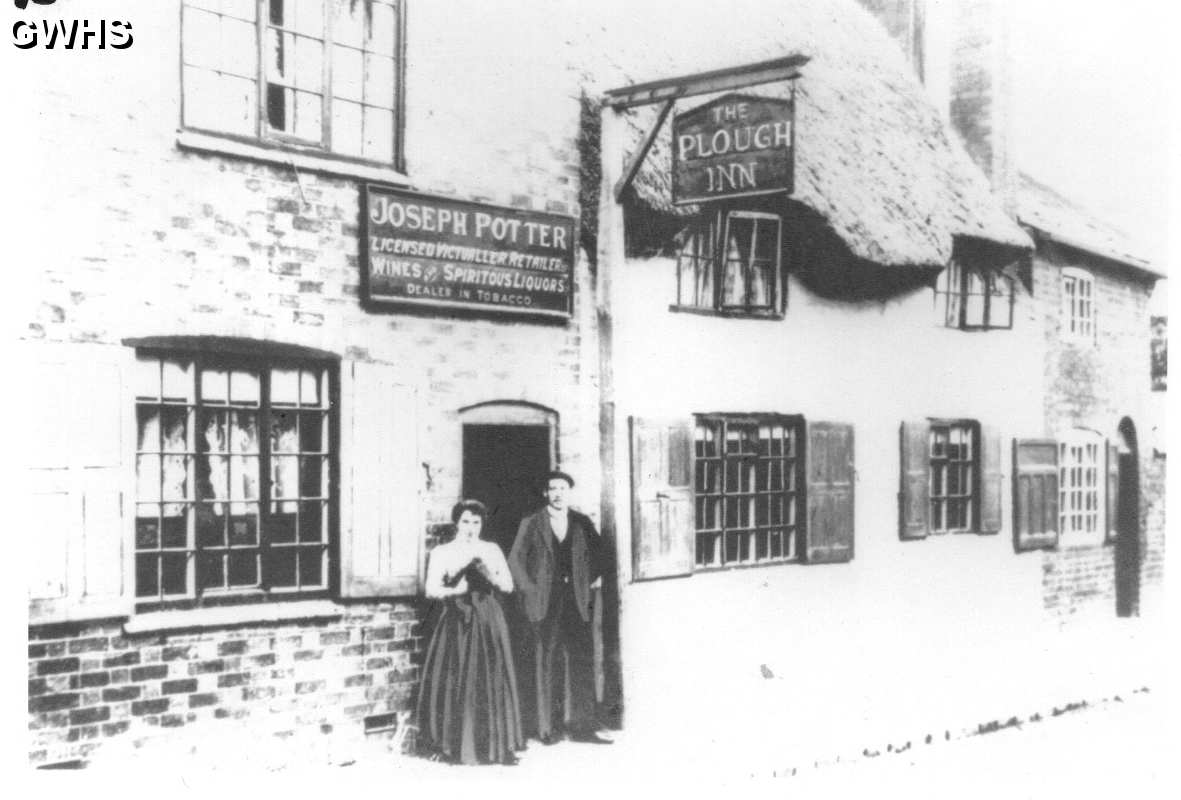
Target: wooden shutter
x,y
1035,494
991,480
79,471
1112,492
381,519
829,531
663,524
914,495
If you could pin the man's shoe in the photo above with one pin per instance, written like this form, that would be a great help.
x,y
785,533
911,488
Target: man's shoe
x,y
589,737
551,738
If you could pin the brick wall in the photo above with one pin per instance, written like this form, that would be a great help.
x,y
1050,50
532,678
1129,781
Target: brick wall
x,y
142,237
90,682
1095,386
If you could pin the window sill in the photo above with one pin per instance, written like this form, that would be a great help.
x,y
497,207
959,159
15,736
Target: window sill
x,y
713,312
224,616
273,154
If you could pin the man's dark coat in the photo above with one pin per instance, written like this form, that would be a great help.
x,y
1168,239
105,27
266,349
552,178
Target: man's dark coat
x,y
532,562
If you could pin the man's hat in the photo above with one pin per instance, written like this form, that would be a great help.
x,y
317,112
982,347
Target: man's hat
x,y
558,475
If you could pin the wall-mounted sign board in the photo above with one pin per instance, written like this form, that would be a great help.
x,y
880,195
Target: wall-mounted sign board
x,y
736,146
436,252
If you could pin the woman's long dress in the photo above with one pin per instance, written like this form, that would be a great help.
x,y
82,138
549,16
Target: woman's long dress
x,y
468,707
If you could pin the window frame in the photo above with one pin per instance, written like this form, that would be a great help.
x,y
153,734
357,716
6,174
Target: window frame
x,y
714,225
793,533
264,136
1074,280
973,462
1072,486
953,287
263,358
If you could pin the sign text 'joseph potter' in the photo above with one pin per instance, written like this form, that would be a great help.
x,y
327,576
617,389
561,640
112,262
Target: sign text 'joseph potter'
x,y
446,253
736,145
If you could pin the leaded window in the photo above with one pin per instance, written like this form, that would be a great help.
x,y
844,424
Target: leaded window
x,y
1078,305
1079,460
747,488
319,74
234,463
974,299
730,261
953,448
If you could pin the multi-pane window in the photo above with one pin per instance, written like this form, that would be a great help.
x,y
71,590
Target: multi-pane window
x,y
1079,462
234,478
1078,305
747,487
731,262
974,299
953,476
317,73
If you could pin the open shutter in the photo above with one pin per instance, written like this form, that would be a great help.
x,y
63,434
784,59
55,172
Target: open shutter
x,y
991,480
1112,492
381,519
663,525
79,471
914,495
1035,494
829,533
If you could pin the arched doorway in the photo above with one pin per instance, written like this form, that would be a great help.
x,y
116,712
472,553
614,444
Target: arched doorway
x,y
508,447
1127,523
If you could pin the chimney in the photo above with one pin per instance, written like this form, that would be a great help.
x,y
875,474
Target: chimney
x,y
960,52
981,107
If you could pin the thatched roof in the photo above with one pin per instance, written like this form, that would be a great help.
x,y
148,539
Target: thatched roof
x,y
1061,220
873,157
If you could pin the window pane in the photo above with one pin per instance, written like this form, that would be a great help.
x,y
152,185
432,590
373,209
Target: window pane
x,y
213,478
243,568
147,474
244,478
379,134
147,377
244,432
760,284
347,73
310,569
175,530
311,522
346,128
348,26
175,422
309,116
148,423
280,108
285,477
243,523
211,525
220,103
239,48
177,381
211,572
174,573
767,240
279,567
147,583
974,301
311,477
284,386
214,385
283,432
201,38
311,432
147,528
309,388
281,525
309,64
309,17
383,31
379,80
176,476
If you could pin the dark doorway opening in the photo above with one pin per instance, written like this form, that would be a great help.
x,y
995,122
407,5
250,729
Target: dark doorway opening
x,y
503,467
1127,541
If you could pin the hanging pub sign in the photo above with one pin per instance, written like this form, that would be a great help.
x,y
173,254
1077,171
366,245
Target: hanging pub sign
x,y
736,146
436,252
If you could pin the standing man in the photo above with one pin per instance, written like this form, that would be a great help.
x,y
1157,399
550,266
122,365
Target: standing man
x,y
556,561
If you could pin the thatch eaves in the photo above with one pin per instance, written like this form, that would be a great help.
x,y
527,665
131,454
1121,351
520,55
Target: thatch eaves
x,y
873,157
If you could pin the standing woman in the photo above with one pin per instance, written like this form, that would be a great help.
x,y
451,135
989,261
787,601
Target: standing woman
x,y
468,708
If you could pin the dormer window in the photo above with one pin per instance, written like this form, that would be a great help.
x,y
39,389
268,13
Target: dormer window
x,y
730,262
974,299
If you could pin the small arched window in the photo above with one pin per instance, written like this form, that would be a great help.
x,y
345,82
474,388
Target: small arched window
x,y
1078,305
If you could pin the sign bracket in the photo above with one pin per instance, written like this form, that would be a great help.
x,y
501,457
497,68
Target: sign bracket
x,y
637,158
